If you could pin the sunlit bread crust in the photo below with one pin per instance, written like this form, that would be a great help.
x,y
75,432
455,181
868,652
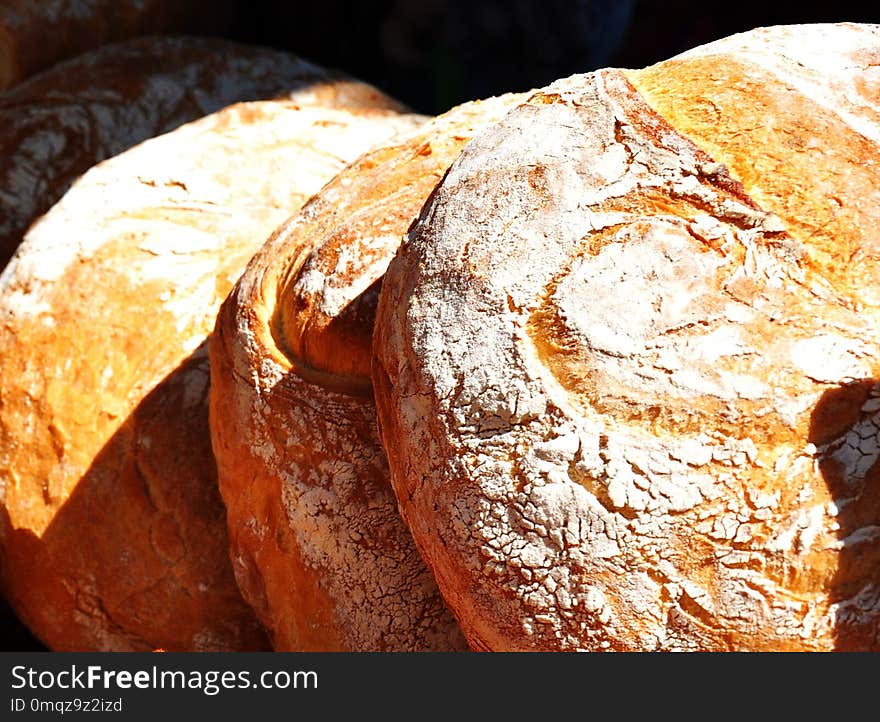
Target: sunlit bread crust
x,y
60,123
627,363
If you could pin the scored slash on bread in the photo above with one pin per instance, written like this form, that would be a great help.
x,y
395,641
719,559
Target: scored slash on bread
x,y
112,531
627,362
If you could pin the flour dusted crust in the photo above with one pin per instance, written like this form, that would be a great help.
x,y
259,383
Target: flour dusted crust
x,y
627,363
318,544
112,530
35,34
62,122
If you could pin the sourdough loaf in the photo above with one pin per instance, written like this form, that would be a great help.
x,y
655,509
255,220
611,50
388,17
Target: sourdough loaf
x,y
36,34
317,542
628,363
61,122
112,530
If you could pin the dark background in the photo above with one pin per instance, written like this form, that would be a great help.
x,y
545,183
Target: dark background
x,y
433,54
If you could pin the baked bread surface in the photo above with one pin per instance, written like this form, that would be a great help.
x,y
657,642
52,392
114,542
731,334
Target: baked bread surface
x,y
627,362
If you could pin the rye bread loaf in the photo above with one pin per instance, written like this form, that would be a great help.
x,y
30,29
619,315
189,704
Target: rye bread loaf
x,y
112,530
318,544
36,34
628,363
58,124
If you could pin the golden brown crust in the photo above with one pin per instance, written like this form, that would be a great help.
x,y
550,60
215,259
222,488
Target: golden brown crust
x,y
313,520
60,123
169,569
632,404
740,98
113,535
36,34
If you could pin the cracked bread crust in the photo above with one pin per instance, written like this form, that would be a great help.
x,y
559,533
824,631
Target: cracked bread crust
x,y
628,386
112,530
316,535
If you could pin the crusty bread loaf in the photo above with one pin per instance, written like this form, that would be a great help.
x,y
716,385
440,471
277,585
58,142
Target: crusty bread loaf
x,y
61,122
627,363
317,542
36,34
112,530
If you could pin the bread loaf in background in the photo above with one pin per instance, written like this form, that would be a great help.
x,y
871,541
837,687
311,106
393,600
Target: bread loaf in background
x,y
61,122
36,34
112,530
628,362
318,545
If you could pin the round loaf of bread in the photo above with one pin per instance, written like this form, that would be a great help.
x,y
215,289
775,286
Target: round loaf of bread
x,y
112,530
35,34
60,123
318,545
627,362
